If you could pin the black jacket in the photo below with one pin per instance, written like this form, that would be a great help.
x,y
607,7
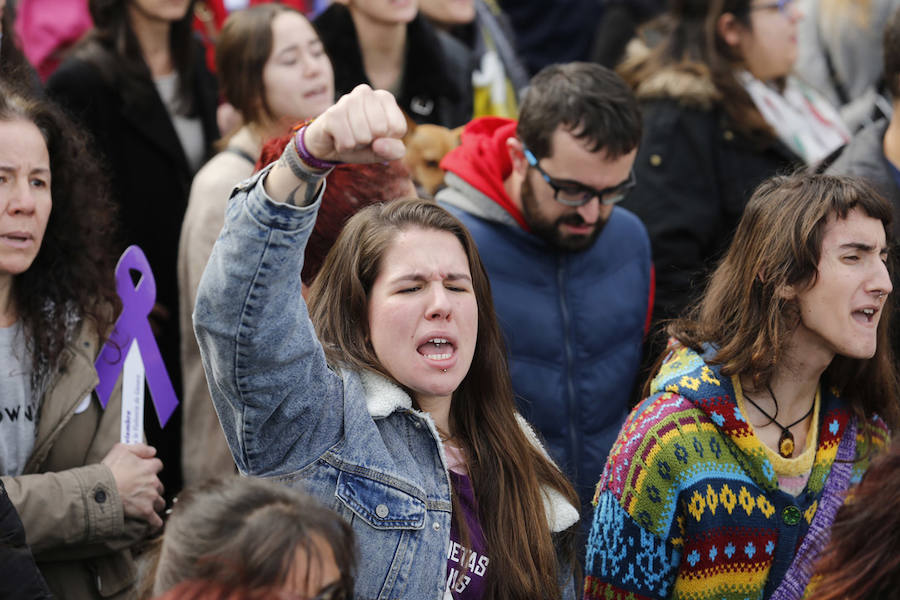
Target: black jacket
x,y
19,575
151,180
437,84
555,31
695,173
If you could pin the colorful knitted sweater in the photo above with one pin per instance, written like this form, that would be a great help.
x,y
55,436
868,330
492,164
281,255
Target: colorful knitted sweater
x,y
689,506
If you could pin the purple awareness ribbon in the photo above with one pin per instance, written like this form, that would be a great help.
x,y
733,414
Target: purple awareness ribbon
x,y
137,302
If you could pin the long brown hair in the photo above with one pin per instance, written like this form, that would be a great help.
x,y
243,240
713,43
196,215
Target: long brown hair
x,y
688,41
507,471
778,243
242,50
861,561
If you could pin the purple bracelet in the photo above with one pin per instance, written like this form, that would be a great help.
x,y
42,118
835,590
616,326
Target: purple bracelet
x,y
306,157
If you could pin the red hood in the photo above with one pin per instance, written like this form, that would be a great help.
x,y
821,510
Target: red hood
x,y
482,160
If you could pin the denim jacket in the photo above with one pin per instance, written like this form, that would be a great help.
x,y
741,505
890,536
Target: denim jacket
x,y
350,438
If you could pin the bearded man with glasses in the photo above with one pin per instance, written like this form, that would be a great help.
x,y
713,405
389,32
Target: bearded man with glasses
x,y
570,271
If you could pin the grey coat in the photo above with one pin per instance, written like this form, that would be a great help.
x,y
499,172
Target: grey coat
x,y
853,44
864,157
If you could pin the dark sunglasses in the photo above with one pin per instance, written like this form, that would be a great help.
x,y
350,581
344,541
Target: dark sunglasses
x,y
576,194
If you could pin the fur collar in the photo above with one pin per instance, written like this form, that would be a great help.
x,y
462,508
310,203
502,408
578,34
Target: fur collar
x,y
689,83
384,397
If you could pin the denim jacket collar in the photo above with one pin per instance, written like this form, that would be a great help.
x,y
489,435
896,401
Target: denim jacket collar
x,y
384,398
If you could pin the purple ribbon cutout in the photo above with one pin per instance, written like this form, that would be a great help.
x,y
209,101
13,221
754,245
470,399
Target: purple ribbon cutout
x,y
137,302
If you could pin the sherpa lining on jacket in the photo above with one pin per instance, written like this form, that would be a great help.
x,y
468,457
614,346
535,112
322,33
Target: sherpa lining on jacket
x,y
384,397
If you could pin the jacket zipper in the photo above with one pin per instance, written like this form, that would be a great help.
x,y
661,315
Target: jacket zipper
x,y
570,386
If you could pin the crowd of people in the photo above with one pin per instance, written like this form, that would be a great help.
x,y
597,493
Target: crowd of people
x,y
639,344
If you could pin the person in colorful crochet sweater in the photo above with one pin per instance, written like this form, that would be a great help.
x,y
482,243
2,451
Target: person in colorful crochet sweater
x,y
772,398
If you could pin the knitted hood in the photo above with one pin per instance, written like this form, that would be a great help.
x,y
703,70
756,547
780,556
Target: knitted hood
x,y
687,374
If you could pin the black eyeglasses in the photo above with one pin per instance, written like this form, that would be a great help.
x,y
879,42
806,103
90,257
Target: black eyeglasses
x,y
576,194
783,6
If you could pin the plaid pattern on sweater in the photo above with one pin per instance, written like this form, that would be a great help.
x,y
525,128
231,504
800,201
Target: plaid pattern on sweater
x,y
689,506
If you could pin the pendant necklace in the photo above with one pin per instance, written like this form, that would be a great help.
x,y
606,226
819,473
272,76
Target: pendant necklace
x,y
786,441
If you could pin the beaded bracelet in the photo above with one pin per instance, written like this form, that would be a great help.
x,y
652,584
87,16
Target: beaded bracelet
x,y
303,151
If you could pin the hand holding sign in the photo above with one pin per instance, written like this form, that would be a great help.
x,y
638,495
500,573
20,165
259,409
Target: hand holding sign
x,y
135,468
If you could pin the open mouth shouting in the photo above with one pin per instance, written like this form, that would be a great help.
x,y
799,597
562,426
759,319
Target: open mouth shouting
x,y
439,351
432,349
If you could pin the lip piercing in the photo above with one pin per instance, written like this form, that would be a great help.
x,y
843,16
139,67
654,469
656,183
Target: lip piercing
x,y
443,370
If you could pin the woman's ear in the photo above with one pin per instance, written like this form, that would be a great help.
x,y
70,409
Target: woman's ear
x,y
729,29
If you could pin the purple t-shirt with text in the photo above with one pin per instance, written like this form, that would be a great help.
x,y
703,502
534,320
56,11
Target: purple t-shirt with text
x,y
466,567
